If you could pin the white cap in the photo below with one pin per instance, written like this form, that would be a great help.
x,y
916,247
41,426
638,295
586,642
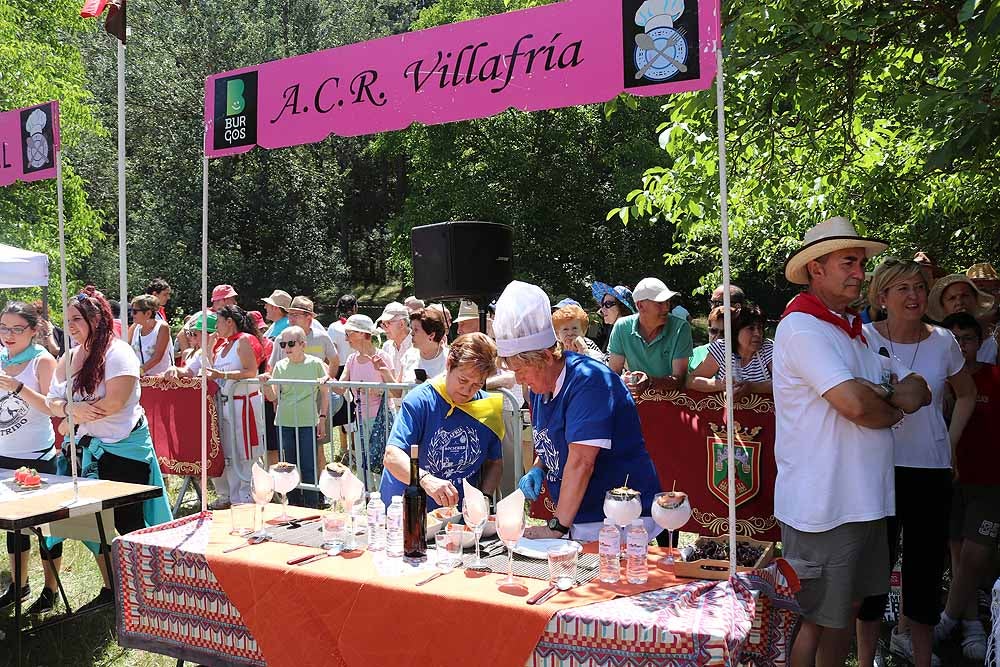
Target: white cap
x,y
392,311
523,320
652,289
361,323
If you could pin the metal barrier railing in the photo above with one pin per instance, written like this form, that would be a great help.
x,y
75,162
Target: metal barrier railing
x,y
375,405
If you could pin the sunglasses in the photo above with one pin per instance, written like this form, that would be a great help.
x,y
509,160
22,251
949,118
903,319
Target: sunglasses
x,y
287,343
17,331
608,304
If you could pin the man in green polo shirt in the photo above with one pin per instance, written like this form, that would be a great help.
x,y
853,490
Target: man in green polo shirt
x,y
651,341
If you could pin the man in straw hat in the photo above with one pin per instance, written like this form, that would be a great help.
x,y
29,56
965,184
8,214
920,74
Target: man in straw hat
x,y
587,434
835,401
276,308
958,293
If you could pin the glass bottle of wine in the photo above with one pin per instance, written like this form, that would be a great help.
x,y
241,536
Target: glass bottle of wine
x,y
414,513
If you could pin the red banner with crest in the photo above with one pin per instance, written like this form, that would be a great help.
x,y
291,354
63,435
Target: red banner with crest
x,y
685,435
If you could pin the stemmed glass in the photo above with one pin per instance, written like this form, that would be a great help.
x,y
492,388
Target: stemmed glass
x,y
622,506
510,529
351,493
671,510
286,477
330,485
262,491
475,512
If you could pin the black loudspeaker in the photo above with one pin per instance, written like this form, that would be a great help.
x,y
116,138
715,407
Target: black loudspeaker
x,y
462,260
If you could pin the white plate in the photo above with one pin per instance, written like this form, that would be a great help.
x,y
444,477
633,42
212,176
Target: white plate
x,y
539,548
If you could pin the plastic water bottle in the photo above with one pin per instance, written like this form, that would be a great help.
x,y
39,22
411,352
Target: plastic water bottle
x,y
637,546
610,550
376,522
394,528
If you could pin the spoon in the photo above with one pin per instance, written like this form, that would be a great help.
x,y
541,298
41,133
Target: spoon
x,y
562,584
646,43
255,539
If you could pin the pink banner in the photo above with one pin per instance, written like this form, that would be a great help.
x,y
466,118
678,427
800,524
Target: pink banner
x,y
29,138
564,54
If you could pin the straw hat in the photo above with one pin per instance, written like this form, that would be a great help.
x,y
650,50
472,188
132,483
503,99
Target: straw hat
x,y
828,236
935,310
361,323
302,304
467,310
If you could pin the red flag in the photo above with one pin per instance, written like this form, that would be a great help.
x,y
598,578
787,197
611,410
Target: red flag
x,y
115,23
93,8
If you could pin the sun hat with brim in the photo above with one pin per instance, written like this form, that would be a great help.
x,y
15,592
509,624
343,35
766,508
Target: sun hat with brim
x,y
194,322
620,292
220,292
652,289
360,323
302,304
279,299
828,236
392,311
935,310
467,310
983,271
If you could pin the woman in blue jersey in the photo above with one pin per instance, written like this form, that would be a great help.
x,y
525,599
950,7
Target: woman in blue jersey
x,y
586,429
456,425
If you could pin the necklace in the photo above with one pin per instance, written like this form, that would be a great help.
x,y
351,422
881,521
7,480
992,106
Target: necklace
x,y
893,351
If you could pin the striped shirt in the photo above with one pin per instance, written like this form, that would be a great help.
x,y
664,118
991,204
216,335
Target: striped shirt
x,y
755,371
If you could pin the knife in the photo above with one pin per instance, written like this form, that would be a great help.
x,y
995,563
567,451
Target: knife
x,y
542,595
429,579
299,522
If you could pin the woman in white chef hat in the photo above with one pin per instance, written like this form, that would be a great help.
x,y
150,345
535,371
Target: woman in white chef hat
x,y
587,432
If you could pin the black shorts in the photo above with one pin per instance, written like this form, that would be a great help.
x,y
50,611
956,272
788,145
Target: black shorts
x,y
926,525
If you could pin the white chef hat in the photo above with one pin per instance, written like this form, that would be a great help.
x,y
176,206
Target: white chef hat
x,y
523,320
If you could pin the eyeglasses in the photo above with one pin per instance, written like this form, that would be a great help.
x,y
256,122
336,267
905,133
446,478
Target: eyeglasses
x,y
17,331
287,343
608,304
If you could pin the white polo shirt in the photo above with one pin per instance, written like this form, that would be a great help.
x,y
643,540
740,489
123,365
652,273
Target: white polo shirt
x,y
830,470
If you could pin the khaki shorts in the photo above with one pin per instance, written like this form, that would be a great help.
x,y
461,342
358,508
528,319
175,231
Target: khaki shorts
x,y
837,568
975,513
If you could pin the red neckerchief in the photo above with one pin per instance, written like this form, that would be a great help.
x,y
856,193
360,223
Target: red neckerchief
x,y
810,305
343,320
222,342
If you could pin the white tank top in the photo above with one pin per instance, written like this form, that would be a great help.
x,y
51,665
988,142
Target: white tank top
x,y
145,346
25,433
231,362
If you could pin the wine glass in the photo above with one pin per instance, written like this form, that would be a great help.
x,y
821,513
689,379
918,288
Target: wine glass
x,y
330,485
671,510
351,494
510,529
262,491
622,506
475,512
286,477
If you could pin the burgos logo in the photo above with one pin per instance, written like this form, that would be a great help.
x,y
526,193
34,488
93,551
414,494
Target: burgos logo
x,y
235,122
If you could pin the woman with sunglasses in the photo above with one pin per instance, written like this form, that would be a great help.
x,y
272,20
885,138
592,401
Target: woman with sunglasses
x,y
150,337
235,355
26,435
751,358
613,302
299,413
110,424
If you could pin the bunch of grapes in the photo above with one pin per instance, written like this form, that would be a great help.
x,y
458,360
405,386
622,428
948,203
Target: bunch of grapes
x,y
747,554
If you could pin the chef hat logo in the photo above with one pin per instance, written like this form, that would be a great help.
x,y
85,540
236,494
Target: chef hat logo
x,y
37,148
658,14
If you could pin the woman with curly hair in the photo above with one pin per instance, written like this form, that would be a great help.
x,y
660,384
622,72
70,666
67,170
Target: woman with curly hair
x,y
101,400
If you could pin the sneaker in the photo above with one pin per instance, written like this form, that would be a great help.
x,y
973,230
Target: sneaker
x,y
105,597
7,599
944,630
45,602
901,647
879,660
974,641
220,504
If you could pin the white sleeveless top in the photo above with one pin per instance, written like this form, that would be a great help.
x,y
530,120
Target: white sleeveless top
x,y
25,433
145,346
225,362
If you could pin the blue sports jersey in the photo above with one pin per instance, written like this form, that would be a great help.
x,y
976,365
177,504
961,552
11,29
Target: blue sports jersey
x,y
593,404
451,447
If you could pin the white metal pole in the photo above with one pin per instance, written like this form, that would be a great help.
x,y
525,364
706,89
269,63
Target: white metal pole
x,y
204,330
65,304
122,252
724,215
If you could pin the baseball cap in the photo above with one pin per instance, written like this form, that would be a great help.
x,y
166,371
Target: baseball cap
x,y
652,289
392,311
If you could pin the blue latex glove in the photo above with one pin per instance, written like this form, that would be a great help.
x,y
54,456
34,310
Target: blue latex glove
x,y
531,484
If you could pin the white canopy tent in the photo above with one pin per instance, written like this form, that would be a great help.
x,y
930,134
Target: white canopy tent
x,y
22,268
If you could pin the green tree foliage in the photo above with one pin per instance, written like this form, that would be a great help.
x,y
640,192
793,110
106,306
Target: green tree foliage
x,y
38,63
887,112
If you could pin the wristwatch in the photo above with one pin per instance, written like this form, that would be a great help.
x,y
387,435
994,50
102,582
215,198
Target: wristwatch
x,y
889,391
558,527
